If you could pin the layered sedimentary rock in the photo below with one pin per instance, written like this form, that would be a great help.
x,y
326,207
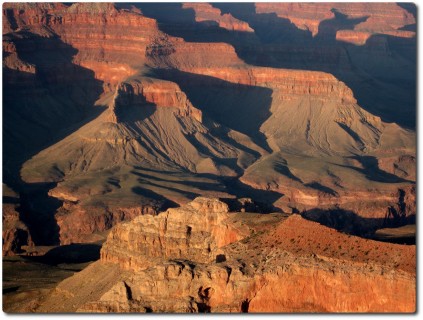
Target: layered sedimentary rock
x,y
194,232
149,123
147,91
200,258
127,131
379,18
127,109
90,223
332,183
289,82
205,12
78,25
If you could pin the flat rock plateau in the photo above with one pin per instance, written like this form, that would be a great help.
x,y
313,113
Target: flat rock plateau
x,y
196,157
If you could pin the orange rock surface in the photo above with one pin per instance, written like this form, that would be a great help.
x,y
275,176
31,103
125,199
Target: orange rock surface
x,y
197,237
302,122
205,12
159,93
200,258
380,18
288,82
88,224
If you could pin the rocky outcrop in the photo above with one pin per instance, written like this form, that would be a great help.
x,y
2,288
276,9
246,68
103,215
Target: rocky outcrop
x,y
379,18
333,183
194,232
287,82
110,52
149,91
15,233
85,224
304,15
402,166
205,12
200,258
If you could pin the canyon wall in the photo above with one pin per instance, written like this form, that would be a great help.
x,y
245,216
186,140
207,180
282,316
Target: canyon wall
x,y
268,93
379,18
205,12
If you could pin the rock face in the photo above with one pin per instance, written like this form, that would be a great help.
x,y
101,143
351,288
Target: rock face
x,y
205,12
379,19
15,233
155,92
140,109
200,258
90,223
194,232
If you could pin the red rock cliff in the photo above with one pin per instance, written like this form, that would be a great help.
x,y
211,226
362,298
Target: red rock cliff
x,y
205,12
380,18
200,258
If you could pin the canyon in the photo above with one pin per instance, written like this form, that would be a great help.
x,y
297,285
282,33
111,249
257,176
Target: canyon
x,y
117,116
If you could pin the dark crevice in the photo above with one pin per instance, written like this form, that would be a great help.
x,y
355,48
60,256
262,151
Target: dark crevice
x,y
128,291
245,305
11,18
188,235
229,272
220,258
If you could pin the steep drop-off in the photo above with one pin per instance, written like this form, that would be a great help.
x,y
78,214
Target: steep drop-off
x,y
380,18
134,119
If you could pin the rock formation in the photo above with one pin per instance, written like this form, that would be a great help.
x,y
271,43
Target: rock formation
x,y
15,233
205,12
201,258
139,111
379,18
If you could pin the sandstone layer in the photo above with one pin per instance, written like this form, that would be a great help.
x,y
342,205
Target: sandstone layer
x,y
205,12
379,18
139,111
201,258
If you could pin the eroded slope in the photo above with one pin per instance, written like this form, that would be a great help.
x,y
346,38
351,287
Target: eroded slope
x,y
165,118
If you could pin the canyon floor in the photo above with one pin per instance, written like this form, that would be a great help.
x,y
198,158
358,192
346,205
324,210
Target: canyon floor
x,y
177,144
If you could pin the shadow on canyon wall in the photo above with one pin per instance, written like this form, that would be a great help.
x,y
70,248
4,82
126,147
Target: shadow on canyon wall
x,y
37,210
370,168
39,110
69,254
381,73
349,222
239,107
42,108
230,185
